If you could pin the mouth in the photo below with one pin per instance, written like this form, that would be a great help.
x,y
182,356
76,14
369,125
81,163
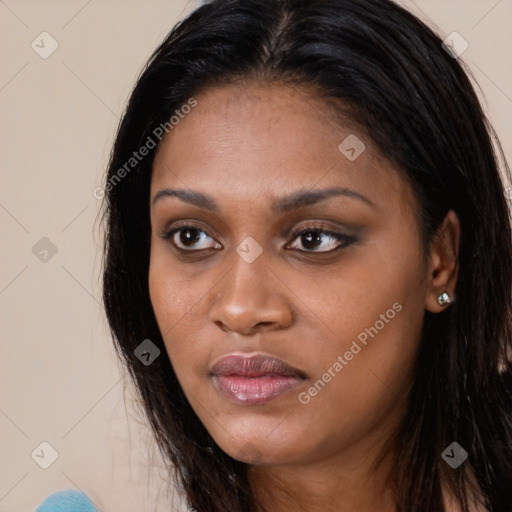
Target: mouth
x,y
254,380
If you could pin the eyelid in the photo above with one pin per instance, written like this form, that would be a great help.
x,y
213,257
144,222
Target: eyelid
x,y
168,233
176,226
341,237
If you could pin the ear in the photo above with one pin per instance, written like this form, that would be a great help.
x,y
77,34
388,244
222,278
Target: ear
x,y
443,266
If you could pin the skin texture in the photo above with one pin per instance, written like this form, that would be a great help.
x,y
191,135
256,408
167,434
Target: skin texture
x,y
245,146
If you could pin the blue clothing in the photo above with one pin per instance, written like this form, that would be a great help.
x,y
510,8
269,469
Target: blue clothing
x,y
67,501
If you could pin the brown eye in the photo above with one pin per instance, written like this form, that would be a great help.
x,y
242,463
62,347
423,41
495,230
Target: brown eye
x,y
190,238
313,238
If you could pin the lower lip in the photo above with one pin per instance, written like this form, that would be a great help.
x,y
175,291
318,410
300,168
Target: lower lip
x,y
254,390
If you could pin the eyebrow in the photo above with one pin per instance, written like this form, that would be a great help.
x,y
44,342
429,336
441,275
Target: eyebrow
x,y
281,205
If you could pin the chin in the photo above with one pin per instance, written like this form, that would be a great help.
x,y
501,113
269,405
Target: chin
x,y
257,448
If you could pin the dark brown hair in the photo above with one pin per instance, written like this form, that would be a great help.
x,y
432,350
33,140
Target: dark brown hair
x,y
416,103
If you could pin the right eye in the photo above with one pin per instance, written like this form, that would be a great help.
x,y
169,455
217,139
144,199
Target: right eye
x,y
186,238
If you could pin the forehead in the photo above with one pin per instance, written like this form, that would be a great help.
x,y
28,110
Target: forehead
x,y
247,142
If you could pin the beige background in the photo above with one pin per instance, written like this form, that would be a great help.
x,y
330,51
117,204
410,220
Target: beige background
x,y
59,379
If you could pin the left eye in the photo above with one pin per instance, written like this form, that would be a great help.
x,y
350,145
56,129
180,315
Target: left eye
x,y
191,238
312,238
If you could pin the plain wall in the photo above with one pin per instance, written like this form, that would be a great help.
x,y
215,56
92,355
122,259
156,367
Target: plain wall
x,y
60,380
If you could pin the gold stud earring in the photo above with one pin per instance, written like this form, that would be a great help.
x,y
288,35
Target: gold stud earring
x,y
444,299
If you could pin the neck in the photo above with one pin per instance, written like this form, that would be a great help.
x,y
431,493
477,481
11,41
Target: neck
x,y
351,479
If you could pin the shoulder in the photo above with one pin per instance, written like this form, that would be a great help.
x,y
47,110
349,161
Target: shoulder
x,y
473,507
67,501
475,502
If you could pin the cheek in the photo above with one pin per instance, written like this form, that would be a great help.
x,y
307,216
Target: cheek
x,y
178,304
167,295
366,388
363,298
374,314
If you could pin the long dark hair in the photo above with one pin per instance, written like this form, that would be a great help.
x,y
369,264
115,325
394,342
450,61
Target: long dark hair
x,y
390,74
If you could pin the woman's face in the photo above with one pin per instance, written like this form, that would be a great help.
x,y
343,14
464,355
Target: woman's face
x,y
291,348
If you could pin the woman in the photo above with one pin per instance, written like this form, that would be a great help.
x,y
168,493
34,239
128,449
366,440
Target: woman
x,y
308,263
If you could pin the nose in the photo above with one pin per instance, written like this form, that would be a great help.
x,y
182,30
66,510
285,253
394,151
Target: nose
x,y
250,299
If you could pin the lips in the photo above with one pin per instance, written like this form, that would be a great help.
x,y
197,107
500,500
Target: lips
x,y
254,380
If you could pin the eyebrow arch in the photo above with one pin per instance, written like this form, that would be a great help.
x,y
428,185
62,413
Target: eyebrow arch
x,y
285,204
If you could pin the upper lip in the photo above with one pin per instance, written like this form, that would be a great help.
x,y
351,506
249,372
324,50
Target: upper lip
x,y
256,365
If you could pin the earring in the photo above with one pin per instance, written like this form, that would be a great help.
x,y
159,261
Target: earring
x,y
444,299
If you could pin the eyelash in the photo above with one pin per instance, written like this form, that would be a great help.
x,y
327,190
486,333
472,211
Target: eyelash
x,y
345,240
